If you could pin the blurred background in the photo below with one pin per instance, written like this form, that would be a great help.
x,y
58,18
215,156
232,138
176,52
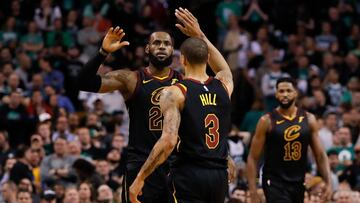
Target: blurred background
x,y
61,145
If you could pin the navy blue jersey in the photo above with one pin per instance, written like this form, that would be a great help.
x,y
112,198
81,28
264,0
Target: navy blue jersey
x,y
205,123
286,147
146,120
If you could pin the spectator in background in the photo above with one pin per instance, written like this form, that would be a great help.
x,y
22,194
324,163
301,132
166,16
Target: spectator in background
x,y
62,100
71,71
37,106
71,195
334,88
24,68
22,168
236,44
8,192
12,84
8,35
71,26
326,38
254,16
44,130
103,168
13,115
86,192
32,42
333,157
59,36
223,11
351,174
57,166
268,83
87,148
88,37
5,149
86,172
326,132
345,148
7,166
50,76
24,196
46,15
105,194
62,130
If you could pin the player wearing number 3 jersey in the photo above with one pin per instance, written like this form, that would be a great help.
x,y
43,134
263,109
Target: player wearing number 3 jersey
x,y
196,123
142,90
285,135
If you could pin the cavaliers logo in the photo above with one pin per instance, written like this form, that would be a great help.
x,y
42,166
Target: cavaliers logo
x,y
292,132
155,96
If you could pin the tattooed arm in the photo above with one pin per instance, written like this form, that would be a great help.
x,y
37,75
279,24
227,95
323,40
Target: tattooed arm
x,y
123,80
171,102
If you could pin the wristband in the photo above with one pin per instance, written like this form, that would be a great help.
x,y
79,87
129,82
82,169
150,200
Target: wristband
x,y
103,52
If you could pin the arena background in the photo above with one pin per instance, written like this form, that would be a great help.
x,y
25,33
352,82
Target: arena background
x,y
44,43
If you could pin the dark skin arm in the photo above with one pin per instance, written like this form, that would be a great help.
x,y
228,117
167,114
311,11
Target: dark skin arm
x,y
171,102
256,148
122,80
321,158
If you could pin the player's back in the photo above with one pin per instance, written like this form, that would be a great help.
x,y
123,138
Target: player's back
x,y
205,123
146,119
286,147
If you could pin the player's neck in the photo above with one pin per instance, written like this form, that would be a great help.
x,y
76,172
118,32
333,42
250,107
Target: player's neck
x,y
289,112
157,72
197,73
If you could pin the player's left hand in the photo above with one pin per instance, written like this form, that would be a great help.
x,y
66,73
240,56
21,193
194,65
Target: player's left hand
x,y
189,24
135,190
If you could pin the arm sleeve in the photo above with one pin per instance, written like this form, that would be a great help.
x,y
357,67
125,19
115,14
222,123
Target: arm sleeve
x,y
88,79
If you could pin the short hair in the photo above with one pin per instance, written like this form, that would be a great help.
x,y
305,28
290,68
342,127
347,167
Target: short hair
x,y
286,79
195,50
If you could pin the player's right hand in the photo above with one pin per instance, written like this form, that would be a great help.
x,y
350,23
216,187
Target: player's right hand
x,y
189,24
112,41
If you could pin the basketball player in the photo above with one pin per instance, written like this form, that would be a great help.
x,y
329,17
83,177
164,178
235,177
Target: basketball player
x,y
141,89
196,120
285,135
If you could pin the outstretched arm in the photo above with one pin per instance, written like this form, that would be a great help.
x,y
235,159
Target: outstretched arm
x,y
257,145
190,27
122,80
171,101
322,161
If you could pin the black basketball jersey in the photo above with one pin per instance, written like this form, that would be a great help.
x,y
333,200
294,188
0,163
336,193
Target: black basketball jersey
x,y
205,123
146,120
286,147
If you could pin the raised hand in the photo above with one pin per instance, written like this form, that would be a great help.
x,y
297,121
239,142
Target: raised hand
x,y
189,24
112,41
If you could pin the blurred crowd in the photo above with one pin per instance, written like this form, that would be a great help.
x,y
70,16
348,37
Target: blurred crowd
x,y
59,144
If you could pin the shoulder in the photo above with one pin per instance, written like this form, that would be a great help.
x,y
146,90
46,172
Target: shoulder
x,y
171,96
265,119
312,121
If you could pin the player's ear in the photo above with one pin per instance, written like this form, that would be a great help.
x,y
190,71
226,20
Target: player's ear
x,y
182,60
147,49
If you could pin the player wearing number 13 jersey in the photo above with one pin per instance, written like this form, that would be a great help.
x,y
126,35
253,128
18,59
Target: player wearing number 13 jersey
x,y
285,135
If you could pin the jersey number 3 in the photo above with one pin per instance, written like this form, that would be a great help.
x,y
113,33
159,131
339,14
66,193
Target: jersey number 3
x,y
212,137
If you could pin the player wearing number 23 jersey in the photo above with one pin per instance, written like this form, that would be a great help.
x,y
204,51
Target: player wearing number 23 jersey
x,y
145,129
